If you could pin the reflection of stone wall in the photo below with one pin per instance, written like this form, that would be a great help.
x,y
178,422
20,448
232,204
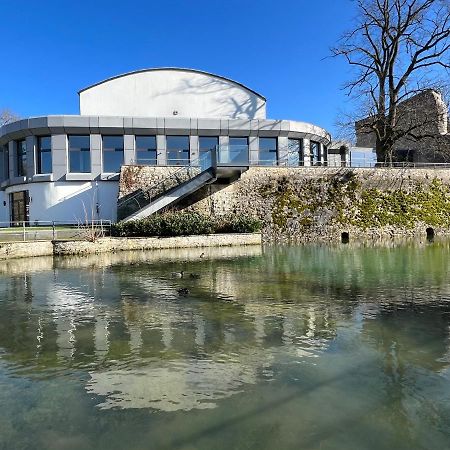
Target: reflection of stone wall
x,y
320,203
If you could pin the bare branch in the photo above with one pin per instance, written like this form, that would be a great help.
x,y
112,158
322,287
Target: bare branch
x,y
399,48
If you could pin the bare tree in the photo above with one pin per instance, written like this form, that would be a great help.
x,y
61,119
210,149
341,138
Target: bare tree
x,y
399,48
7,116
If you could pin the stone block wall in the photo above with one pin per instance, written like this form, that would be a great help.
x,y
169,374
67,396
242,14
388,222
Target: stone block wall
x,y
153,178
319,204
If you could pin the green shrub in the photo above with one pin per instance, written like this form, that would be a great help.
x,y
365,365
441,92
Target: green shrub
x,y
238,224
183,224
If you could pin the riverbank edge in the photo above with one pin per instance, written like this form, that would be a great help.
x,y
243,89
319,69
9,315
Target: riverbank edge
x,y
10,250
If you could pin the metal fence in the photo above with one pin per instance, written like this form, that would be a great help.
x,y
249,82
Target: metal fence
x,y
241,155
48,231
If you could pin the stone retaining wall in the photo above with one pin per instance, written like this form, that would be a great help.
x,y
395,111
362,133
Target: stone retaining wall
x,y
320,203
63,248
122,244
25,249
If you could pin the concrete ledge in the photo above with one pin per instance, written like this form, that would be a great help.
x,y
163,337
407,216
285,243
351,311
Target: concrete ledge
x,y
121,244
25,249
10,250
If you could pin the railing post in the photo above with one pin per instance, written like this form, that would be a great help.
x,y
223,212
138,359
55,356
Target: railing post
x,y
53,230
23,225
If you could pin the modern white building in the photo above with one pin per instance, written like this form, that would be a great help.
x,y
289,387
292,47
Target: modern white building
x,y
66,168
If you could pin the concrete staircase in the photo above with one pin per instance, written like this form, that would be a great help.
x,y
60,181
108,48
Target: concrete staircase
x,y
167,198
186,183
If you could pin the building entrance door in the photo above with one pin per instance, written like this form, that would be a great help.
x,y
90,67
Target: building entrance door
x,y
19,207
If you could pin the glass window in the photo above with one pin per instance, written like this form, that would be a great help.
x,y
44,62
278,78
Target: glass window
x,y
314,153
325,154
268,151
21,158
19,203
237,150
6,156
112,153
4,163
295,152
44,154
79,154
177,150
206,143
146,150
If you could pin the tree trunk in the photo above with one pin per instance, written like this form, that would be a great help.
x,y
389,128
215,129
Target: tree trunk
x,y
385,152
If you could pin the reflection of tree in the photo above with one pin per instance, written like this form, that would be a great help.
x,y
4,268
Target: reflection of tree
x,y
242,315
410,339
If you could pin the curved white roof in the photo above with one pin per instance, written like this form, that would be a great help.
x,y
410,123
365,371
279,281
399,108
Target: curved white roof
x,y
167,92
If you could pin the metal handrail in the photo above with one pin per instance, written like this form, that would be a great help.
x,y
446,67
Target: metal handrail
x,y
45,230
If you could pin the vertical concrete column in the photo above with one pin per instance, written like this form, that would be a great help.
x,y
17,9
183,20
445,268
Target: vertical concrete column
x,y
12,159
59,156
96,155
161,150
64,337
31,153
200,333
101,336
129,154
193,148
306,152
135,337
282,150
260,332
253,146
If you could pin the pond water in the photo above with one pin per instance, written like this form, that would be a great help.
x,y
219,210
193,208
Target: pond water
x,y
307,347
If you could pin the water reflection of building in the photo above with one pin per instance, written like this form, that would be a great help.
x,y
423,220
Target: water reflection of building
x,y
129,329
144,346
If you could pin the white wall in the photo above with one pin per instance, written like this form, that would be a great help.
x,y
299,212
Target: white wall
x,y
159,93
70,201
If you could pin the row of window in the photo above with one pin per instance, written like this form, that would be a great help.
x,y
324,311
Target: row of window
x,y
44,156
177,150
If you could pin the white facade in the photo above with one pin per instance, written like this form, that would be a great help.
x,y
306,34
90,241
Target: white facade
x,y
163,107
172,92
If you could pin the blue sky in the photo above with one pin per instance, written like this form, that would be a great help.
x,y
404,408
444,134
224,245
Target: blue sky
x,y
51,49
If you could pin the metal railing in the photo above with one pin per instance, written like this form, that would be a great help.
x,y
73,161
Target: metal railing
x,y
41,230
239,155
140,198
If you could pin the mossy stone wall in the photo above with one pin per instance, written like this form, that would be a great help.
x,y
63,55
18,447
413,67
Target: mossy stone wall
x,y
304,204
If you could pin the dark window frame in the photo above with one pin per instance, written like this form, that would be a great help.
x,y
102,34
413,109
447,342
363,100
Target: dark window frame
x,y
207,148
41,153
110,150
80,152
315,158
146,150
300,151
237,154
270,161
20,169
179,151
